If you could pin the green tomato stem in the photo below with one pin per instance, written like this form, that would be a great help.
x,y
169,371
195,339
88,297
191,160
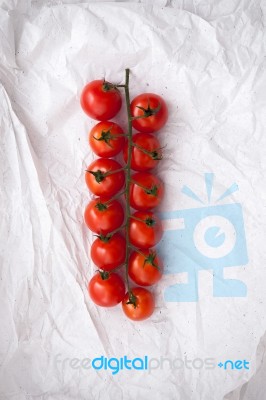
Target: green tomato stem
x,y
116,196
154,154
111,172
153,190
127,191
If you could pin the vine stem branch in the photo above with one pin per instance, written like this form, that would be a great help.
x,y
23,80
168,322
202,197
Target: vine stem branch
x,y
127,191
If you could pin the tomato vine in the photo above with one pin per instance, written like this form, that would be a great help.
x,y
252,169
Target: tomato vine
x,y
110,181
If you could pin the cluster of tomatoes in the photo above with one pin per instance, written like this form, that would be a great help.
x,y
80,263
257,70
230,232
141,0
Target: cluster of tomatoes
x,y
121,213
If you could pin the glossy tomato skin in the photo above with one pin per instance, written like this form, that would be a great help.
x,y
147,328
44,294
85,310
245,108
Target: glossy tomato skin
x,y
145,304
106,292
103,221
140,161
100,100
147,232
145,268
106,139
110,184
109,254
150,123
149,198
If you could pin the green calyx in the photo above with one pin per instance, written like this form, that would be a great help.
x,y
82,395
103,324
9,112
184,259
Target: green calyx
x,y
155,155
150,222
101,206
153,191
148,112
98,175
104,275
132,299
106,137
150,259
107,86
104,238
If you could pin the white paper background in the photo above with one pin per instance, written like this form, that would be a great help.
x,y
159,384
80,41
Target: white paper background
x,y
207,58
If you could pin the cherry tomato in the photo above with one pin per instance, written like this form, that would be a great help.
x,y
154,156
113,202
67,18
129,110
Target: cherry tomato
x,y
106,139
108,252
138,304
153,108
106,290
145,229
101,178
146,191
103,218
145,154
145,267
100,100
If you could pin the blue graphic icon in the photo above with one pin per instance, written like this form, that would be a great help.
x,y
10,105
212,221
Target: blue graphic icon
x,y
209,237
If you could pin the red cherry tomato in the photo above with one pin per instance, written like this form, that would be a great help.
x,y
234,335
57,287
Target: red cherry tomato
x,y
106,290
145,154
106,139
146,191
103,218
138,304
101,178
145,267
145,229
100,100
108,252
153,108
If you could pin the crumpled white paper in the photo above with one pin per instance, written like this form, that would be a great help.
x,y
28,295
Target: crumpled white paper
x,y
207,59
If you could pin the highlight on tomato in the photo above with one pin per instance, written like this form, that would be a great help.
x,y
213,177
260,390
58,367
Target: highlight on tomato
x,y
105,177
104,217
146,152
145,267
108,251
101,100
145,229
106,289
138,304
149,111
146,191
106,139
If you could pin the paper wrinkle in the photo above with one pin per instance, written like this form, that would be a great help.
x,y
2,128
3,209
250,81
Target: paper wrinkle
x,y
255,386
209,61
